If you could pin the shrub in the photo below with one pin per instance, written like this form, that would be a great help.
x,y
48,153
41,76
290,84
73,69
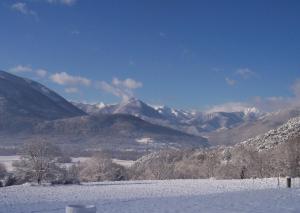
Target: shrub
x,y
9,180
101,168
64,159
67,176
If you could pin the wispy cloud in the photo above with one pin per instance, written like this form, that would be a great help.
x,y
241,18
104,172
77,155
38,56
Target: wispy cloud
x,y
71,90
21,69
40,73
22,7
230,82
64,2
120,88
296,88
229,107
127,83
245,73
64,78
265,104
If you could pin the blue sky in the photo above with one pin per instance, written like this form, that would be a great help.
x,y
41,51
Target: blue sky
x,y
185,54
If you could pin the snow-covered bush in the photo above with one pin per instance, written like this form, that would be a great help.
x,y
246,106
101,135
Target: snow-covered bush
x,y
9,180
101,168
69,175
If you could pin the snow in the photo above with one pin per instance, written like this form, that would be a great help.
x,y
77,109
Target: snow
x,y
144,140
174,112
188,196
277,136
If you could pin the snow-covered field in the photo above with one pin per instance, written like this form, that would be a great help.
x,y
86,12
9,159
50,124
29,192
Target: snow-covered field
x,y
188,196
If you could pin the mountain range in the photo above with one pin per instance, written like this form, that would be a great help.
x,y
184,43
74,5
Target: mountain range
x,y
191,122
31,111
220,128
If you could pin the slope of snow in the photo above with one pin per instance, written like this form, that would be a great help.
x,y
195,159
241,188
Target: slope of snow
x,y
282,134
188,196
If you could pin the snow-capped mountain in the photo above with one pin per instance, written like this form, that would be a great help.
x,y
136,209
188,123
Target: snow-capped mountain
x,y
253,128
190,122
176,115
30,111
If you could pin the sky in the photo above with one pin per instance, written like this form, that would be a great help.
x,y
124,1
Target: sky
x,y
189,54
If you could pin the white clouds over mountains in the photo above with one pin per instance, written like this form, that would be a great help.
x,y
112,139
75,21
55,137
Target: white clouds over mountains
x,y
265,104
243,74
64,78
40,73
127,83
20,69
72,84
120,88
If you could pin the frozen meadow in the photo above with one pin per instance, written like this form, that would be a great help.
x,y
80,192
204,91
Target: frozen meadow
x,y
188,196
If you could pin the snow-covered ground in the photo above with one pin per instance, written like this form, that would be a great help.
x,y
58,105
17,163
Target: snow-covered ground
x,y
188,196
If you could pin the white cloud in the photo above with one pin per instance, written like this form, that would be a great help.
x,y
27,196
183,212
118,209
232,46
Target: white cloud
x,y
64,2
264,104
246,73
230,82
127,83
22,7
279,102
41,73
71,90
229,107
21,69
296,88
120,88
64,78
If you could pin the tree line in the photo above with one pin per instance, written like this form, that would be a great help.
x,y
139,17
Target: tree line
x,y
43,162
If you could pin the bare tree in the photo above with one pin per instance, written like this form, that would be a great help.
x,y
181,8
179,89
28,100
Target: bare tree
x,y
3,171
293,157
211,163
38,161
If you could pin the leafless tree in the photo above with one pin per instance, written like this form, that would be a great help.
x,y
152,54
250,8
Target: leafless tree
x,y
211,162
2,171
38,161
293,157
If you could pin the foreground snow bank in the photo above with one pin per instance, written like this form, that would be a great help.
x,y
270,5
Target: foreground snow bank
x,y
188,196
